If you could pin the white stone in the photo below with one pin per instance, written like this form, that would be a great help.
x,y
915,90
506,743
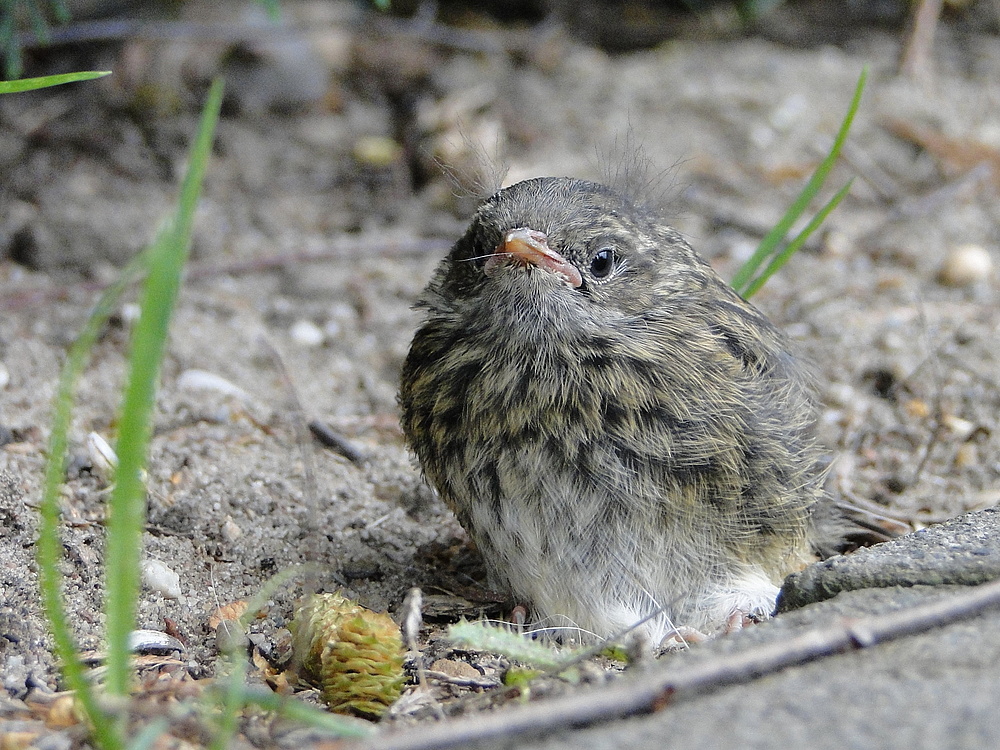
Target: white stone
x,y
306,333
231,530
965,265
161,579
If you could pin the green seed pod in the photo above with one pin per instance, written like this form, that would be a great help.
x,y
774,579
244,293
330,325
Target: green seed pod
x,y
354,655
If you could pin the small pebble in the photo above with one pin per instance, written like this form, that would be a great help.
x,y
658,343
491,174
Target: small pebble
x,y
965,265
130,312
161,579
836,244
789,112
230,637
306,333
231,530
966,456
841,394
455,668
15,676
917,407
962,429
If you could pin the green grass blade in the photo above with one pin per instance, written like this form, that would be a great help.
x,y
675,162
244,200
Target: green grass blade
x,y
29,84
49,547
769,244
127,512
781,258
230,701
231,685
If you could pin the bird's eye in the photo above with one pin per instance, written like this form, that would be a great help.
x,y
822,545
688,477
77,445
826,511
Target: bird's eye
x,y
603,263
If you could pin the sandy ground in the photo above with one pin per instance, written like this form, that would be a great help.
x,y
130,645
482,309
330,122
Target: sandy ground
x,y
323,216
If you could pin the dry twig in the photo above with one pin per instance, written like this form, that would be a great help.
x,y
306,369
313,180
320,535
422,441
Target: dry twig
x,y
915,62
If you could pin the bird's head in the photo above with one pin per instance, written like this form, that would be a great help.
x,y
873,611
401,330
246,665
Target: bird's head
x,y
574,244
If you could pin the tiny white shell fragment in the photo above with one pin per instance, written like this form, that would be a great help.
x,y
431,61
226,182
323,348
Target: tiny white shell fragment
x,y
960,428
102,456
201,380
4,376
306,333
965,265
161,579
152,642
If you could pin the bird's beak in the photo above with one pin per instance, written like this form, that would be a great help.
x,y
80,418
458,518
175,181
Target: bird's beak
x,y
530,248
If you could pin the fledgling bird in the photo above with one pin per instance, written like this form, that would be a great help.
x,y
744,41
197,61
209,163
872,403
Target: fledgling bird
x,y
619,432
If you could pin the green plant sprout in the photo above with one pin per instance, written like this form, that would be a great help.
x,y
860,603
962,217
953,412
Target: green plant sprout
x,y
747,281
30,84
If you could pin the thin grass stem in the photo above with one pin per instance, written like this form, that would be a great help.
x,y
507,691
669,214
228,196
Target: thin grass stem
x,y
49,547
127,505
768,246
800,239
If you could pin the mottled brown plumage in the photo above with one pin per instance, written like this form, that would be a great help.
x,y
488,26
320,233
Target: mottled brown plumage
x,y
618,430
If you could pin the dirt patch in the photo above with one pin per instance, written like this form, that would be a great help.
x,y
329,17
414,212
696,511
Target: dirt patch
x,y
321,224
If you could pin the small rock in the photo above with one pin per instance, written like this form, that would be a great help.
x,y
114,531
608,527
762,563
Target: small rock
x,y
836,244
230,637
130,312
231,530
306,333
960,428
965,265
455,668
161,579
15,675
918,408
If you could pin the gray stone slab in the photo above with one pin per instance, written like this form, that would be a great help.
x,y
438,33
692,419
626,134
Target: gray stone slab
x,y
964,551
938,689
